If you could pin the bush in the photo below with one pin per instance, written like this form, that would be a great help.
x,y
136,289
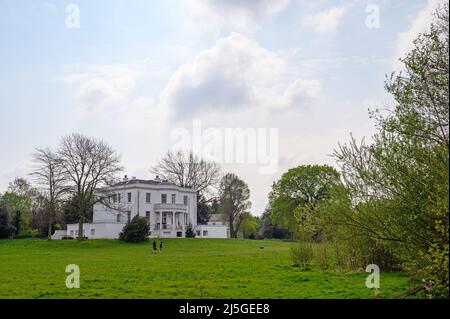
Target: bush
x,y
321,256
190,232
302,254
135,231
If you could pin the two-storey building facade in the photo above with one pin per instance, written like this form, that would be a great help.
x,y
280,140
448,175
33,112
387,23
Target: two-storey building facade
x,y
170,209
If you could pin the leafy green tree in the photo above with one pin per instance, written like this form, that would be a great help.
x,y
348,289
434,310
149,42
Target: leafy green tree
x,y
399,183
19,202
297,194
6,229
234,196
249,225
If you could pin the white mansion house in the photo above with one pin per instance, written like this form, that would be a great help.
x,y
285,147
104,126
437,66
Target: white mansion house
x,y
169,209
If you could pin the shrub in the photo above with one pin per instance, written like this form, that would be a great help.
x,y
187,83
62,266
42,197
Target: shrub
x,y
302,254
321,256
190,232
135,231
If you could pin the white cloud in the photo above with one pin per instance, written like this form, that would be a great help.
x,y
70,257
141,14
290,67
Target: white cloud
x,y
419,24
236,14
102,87
327,22
302,91
235,74
19,169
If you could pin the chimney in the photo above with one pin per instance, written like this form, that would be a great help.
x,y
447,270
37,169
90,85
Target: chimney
x,y
125,178
157,179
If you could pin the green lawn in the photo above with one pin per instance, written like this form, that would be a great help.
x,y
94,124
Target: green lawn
x,y
188,268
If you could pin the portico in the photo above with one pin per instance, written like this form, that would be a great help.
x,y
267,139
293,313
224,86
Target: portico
x,y
170,220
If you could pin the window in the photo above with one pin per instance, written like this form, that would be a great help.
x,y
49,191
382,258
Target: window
x,y
174,198
148,197
147,214
185,200
129,216
205,233
114,198
71,233
164,218
118,195
129,197
118,219
198,233
93,232
76,233
164,198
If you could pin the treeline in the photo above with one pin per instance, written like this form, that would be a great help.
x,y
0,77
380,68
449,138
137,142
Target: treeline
x,y
388,204
67,182
24,212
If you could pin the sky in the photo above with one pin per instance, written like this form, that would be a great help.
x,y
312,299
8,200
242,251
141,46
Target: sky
x,y
259,86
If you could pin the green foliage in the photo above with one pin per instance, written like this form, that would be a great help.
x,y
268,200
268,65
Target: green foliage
x,y
302,254
6,228
234,196
269,230
19,202
398,185
71,211
137,230
249,225
205,209
295,197
322,256
189,232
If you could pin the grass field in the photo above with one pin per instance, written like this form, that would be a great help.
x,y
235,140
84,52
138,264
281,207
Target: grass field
x,y
187,268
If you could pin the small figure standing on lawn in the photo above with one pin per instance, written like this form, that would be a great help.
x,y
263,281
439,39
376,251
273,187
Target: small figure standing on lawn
x,y
154,246
160,246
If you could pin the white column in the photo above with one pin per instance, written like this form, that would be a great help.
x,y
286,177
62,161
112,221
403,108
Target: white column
x,y
173,219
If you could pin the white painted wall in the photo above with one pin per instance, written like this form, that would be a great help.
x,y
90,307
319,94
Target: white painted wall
x,y
212,231
101,230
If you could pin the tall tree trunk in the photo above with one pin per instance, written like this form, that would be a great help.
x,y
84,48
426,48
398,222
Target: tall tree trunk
x,y
231,228
50,220
80,229
82,214
51,213
80,223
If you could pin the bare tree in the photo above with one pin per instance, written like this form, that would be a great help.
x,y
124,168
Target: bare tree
x,y
234,197
188,170
50,175
91,167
